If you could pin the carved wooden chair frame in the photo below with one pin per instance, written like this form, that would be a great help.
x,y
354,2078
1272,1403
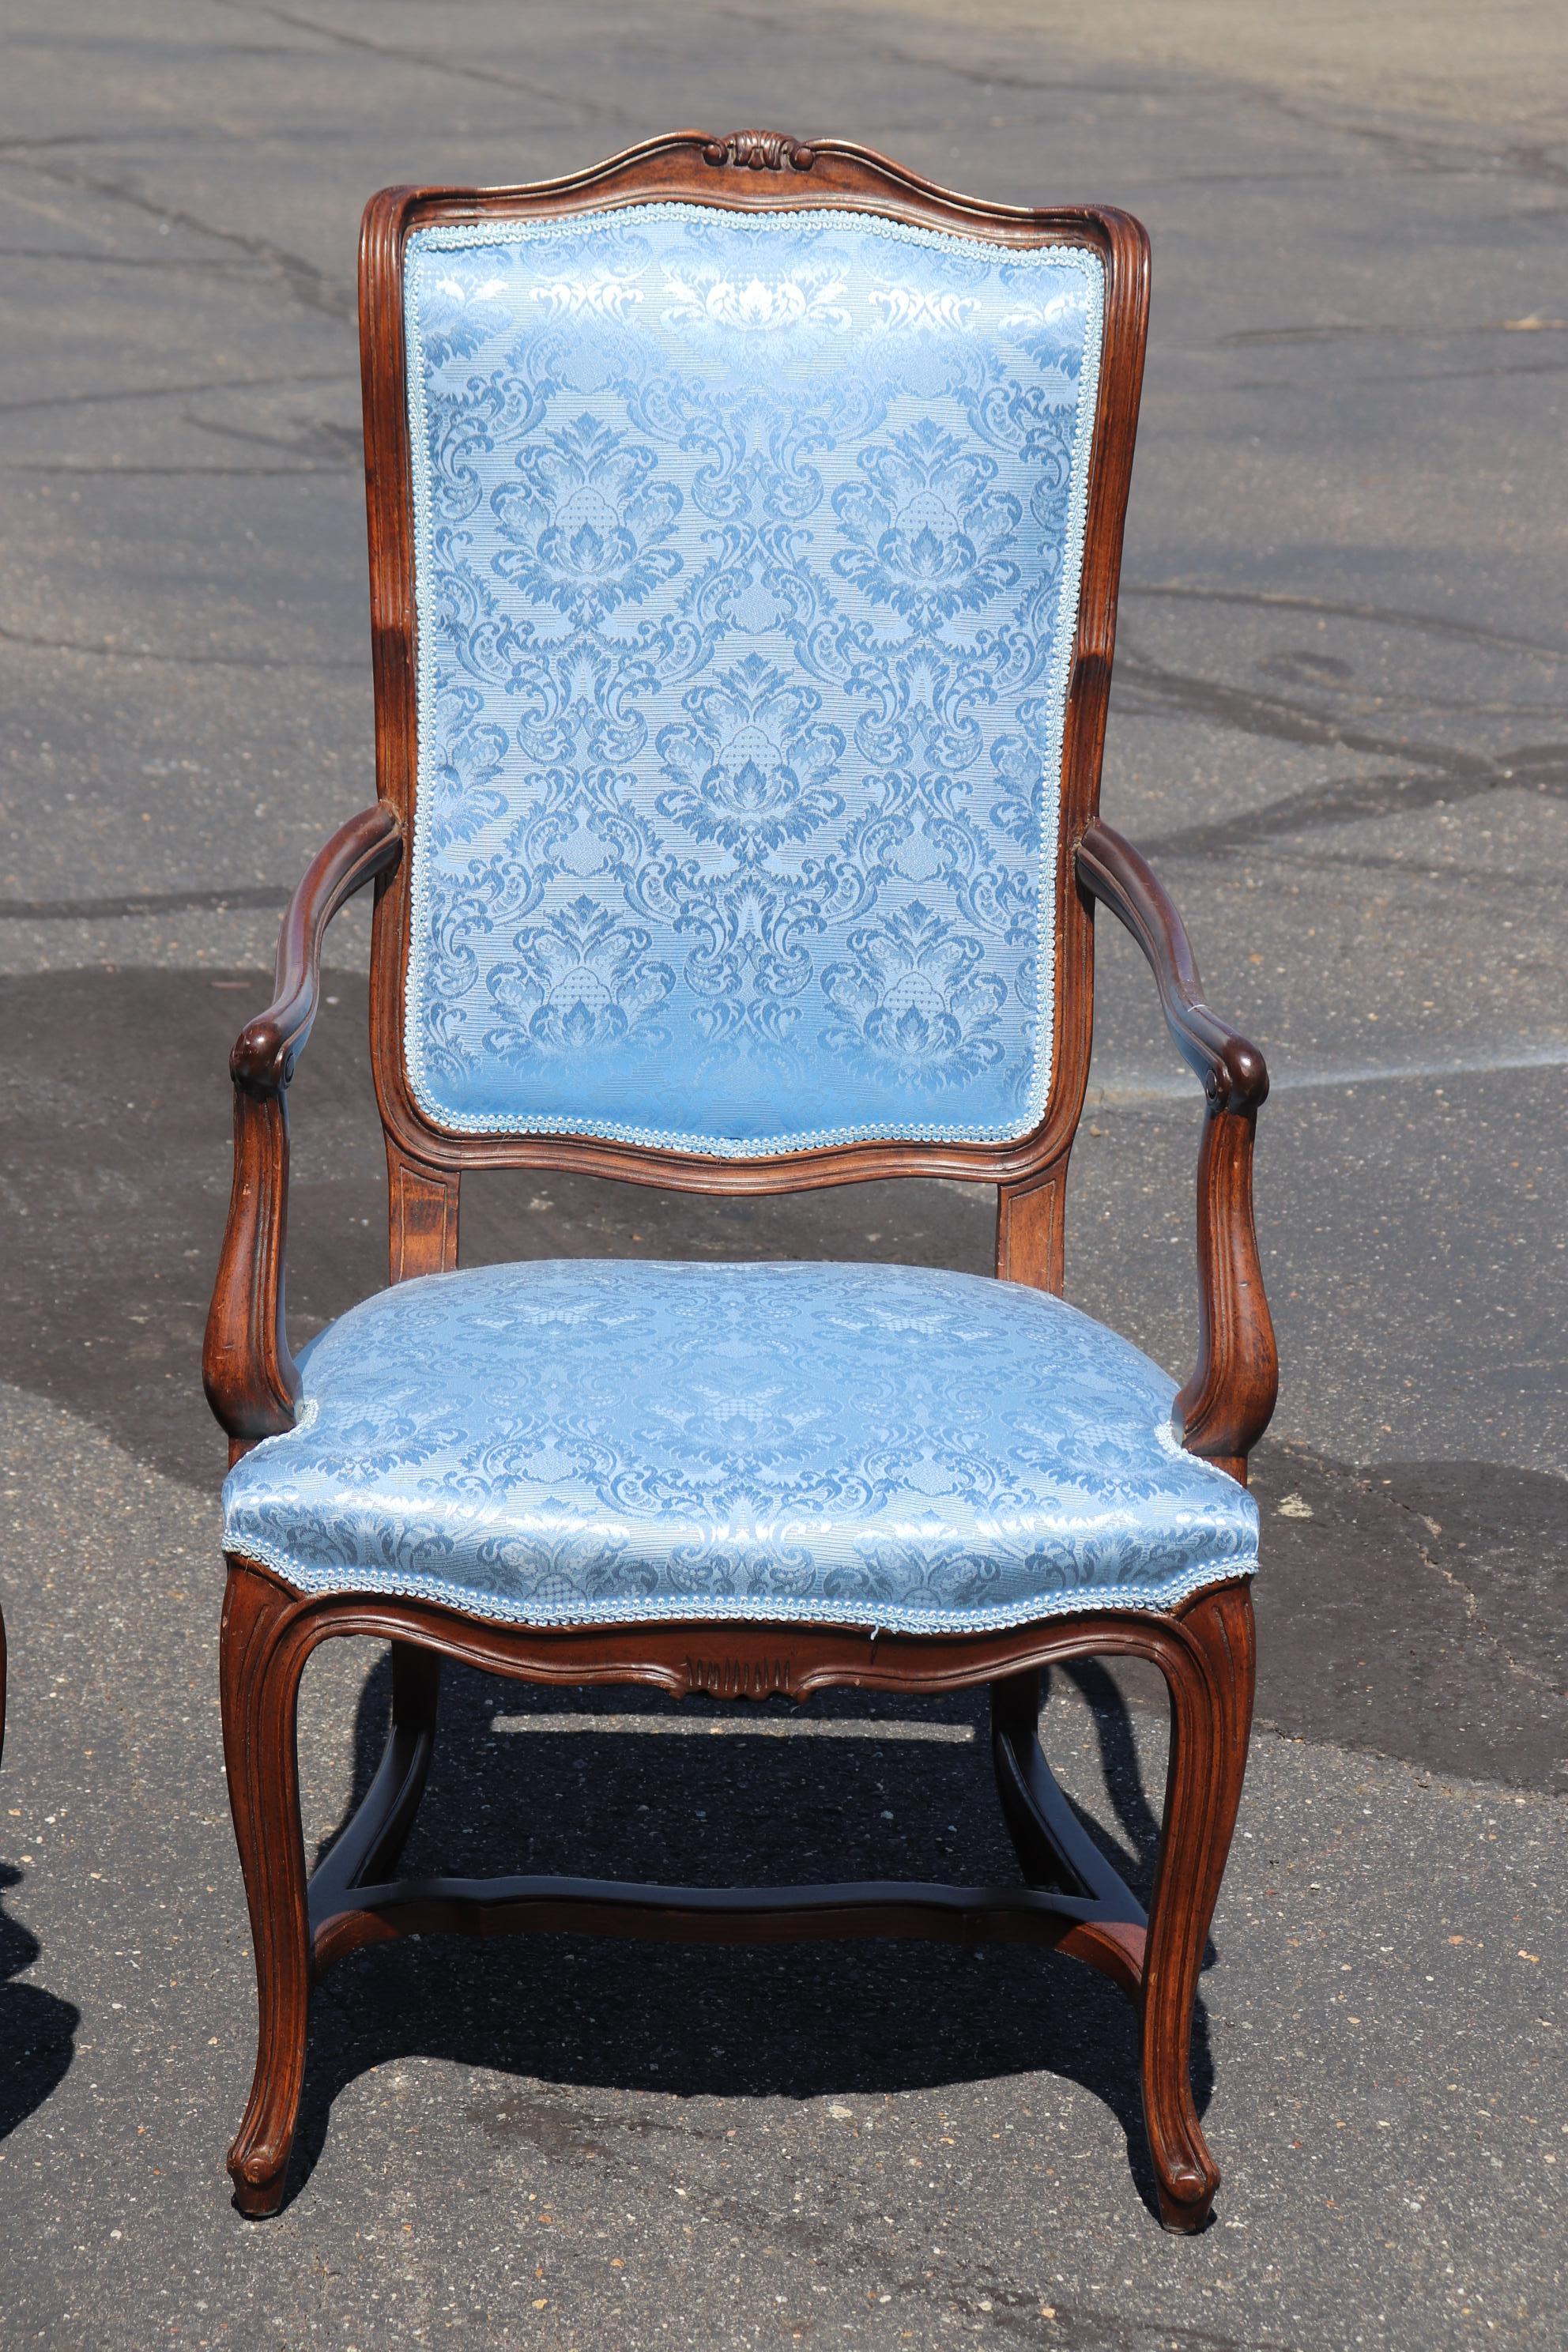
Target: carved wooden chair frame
x,y
1072,1900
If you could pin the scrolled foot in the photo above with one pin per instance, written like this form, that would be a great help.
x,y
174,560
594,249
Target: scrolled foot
x,y
261,1655
1186,2197
1209,1673
257,2180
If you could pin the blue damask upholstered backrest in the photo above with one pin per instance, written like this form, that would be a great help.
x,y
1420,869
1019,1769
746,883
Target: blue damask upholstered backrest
x,y
747,550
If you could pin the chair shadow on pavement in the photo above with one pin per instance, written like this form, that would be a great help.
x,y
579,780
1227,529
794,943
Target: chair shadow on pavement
x,y
510,1790
37,2028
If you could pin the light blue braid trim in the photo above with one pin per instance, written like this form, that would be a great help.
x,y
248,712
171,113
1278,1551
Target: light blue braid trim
x,y
1144,1600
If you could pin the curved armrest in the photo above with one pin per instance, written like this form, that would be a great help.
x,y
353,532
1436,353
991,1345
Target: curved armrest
x,y
249,1373
1110,869
267,1048
1225,1406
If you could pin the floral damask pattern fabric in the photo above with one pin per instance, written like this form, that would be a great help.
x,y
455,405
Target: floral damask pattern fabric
x,y
746,568
564,1441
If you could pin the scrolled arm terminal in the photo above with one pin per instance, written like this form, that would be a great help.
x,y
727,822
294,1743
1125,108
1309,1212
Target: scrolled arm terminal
x,y
1226,1404
249,1373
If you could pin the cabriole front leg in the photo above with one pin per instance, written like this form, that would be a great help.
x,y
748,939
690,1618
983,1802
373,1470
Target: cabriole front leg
x,y
1208,1667
259,1669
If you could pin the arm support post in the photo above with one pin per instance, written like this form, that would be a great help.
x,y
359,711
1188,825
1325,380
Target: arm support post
x,y
1225,1406
250,1375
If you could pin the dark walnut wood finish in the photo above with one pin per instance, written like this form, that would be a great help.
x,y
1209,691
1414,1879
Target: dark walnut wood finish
x,y
1071,1900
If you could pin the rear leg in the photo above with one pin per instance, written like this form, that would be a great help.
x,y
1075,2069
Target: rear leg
x,y
366,1851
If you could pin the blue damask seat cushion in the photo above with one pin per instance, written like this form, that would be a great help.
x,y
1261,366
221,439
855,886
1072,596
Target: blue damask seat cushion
x,y
566,1442
746,565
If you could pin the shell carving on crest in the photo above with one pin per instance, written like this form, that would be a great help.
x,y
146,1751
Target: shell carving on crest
x,y
760,151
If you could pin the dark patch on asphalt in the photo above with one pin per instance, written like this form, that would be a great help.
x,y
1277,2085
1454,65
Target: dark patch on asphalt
x,y
555,2127
1417,1611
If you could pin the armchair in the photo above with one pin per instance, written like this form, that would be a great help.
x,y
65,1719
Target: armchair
x,y
745,520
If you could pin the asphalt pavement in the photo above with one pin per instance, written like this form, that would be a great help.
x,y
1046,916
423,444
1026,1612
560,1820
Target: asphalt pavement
x,y
1338,728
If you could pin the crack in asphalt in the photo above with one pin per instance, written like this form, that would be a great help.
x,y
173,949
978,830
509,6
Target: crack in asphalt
x,y
150,902
1390,376
1092,2331
1361,703
430,61
1472,1609
342,445
1507,879
22,144
310,286
53,400
87,470
1424,152
1470,1602
1390,615
1249,337
216,264
104,651
887,52
1430,776
1354,800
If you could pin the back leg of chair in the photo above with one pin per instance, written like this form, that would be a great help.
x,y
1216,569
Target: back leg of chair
x,y
369,1843
416,1696
1053,1847
1209,1664
261,1658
